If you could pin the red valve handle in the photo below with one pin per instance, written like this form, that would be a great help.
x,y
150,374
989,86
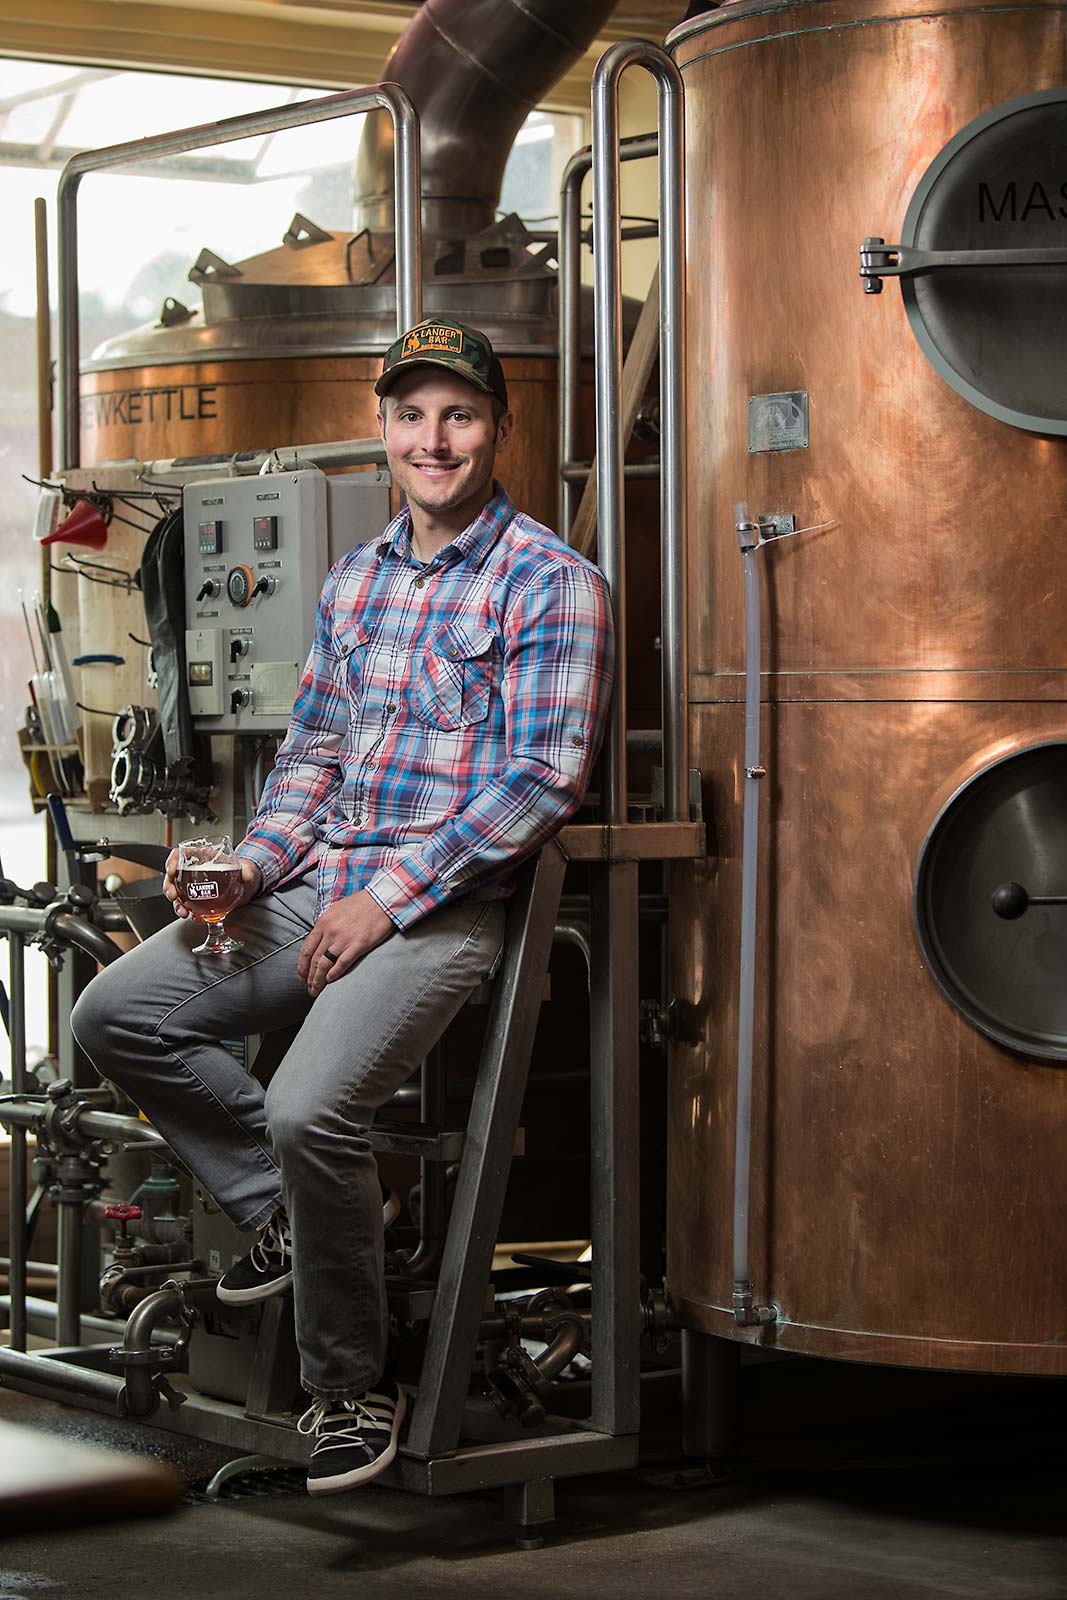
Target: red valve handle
x,y
122,1213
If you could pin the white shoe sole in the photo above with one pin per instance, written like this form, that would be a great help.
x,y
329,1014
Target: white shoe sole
x,y
361,1475
259,1291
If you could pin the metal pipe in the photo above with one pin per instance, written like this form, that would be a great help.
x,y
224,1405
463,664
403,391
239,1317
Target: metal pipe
x,y
577,934
538,1083
69,1275
67,925
475,69
567,1341
249,463
573,472
60,1379
76,931
28,1112
141,1394
113,1125
407,187
18,1174
745,1312
108,1328
569,281
569,290
610,509
22,919
44,342
433,1104
39,1269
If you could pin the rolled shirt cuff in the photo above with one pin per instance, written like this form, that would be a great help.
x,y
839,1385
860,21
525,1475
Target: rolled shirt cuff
x,y
407,891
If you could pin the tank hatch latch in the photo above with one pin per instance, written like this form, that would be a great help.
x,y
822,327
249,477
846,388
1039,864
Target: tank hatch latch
x,y
879,260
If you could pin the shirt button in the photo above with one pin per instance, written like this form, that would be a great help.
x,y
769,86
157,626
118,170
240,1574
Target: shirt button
x,y
419,582
391,709
578,741
453,651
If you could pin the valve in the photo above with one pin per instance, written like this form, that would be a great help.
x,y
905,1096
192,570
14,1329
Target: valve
x,y
210,589
123,1214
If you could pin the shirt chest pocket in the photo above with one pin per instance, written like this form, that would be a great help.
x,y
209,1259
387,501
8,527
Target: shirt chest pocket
x,y
352,645
453,684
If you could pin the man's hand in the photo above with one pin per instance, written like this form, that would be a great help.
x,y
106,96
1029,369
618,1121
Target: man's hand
x,y
348,929
251,883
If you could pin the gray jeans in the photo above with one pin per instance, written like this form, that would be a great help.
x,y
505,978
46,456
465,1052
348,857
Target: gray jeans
x,y
154,1022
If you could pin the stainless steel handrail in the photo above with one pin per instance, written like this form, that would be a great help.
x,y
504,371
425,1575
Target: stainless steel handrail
x,y
608,316
636,148
407,185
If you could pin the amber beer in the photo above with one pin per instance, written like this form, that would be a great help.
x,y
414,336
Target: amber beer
x,y
209,893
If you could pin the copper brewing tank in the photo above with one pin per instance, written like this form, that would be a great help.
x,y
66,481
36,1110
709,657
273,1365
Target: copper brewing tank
x,y
909,1192
288,353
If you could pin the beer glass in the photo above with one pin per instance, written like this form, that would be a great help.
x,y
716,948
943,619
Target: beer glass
x,y
209,885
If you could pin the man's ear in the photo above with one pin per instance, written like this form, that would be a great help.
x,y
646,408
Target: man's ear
x,y
380,419
503,429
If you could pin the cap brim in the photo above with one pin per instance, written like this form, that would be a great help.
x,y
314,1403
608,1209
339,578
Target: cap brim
x,y
387,379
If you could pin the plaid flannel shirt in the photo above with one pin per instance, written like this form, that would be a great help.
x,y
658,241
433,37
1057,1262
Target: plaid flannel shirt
x,y
447,719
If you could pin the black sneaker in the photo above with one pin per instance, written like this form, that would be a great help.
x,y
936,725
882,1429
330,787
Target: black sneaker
x,y
266,1270
355,1440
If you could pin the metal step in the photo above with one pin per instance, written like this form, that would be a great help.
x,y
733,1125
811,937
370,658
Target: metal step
x,y
429,1144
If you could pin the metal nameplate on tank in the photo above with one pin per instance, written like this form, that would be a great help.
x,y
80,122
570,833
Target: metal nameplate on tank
x,y
777,421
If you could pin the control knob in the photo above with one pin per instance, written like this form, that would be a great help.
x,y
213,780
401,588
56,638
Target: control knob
x,y
240,585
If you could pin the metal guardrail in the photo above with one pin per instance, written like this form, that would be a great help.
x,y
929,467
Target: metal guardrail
x,y
407,199
638,148
610,443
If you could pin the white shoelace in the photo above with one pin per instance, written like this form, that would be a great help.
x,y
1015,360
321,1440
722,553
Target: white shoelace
x,y
274,1239
374,1412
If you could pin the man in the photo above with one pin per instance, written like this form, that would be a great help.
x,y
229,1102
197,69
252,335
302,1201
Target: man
x,y
445,726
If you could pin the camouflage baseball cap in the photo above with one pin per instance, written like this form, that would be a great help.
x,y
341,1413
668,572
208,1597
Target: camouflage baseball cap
x,y
443,343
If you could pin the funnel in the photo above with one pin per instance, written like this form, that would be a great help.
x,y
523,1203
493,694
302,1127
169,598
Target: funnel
x,y
84,525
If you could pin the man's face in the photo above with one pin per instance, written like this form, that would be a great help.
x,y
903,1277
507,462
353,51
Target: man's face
x,y
440,439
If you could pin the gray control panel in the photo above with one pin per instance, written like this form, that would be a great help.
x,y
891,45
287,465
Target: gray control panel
x,y
256,552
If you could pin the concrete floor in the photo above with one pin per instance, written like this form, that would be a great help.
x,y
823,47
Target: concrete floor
x,y
855,1485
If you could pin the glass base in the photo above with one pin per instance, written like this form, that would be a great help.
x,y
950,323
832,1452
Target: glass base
x,y
218,942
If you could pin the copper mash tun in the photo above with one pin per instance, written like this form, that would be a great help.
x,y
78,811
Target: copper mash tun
x,y
878,457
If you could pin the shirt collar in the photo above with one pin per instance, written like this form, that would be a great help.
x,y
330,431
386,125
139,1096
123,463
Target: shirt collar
x,y
473,544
